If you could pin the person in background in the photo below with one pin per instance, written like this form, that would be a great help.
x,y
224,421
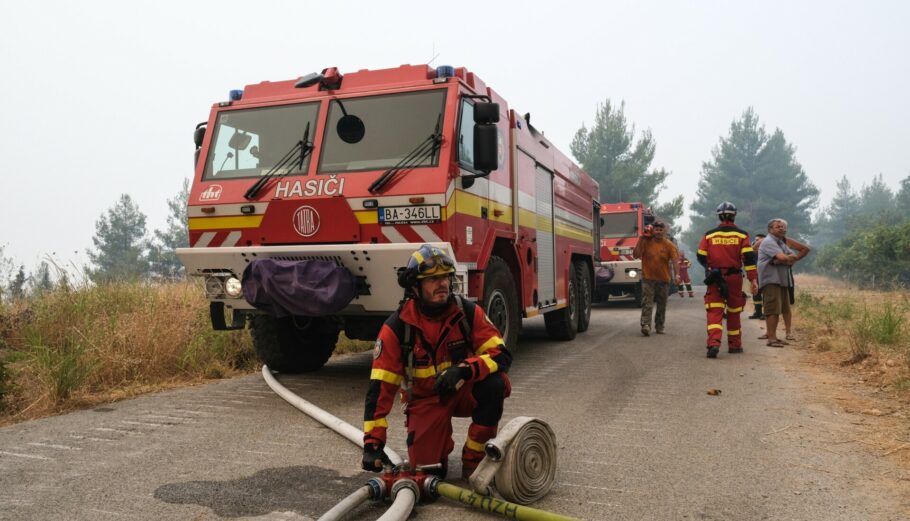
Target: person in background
x,y
658,270
685,282
776,256
756,296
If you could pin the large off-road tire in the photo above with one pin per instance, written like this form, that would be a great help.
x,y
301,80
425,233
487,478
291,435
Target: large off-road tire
x,y
583,283
291,345
637,294
562,324
500,301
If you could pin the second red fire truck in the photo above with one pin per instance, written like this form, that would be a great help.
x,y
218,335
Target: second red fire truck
x,y
339,177
619,273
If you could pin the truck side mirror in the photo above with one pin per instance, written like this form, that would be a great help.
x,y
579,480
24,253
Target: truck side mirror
x,y
198,136
486,147
486,112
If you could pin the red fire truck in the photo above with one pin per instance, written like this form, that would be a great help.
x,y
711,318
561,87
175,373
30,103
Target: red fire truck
x,y
619,274
357,170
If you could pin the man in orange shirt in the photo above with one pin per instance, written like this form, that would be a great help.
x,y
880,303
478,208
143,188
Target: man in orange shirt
x,y
658,270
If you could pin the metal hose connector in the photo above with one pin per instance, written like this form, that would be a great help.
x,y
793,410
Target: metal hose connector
x,y
522,459
405,493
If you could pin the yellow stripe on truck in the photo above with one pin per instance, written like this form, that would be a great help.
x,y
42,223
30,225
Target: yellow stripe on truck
x,y
219,223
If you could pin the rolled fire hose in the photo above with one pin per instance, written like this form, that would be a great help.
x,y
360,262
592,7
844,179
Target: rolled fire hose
x,y
521,460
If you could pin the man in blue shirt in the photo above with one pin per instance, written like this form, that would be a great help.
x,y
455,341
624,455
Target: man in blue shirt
x,y
776,257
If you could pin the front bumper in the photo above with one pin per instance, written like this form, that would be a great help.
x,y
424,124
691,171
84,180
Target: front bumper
x,y
377,264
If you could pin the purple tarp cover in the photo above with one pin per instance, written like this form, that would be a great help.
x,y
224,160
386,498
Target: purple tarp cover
x,y
603,274
310,288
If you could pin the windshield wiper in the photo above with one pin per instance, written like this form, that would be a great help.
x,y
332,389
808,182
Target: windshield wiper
x,y
297,154
424,150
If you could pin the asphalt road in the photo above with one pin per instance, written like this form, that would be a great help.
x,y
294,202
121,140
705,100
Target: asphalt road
x,y
639,438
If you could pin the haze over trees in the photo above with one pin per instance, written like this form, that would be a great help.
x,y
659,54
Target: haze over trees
x,y
759,173
610,154
864,235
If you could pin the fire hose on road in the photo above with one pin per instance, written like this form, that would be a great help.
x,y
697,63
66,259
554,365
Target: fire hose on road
x,y
521,460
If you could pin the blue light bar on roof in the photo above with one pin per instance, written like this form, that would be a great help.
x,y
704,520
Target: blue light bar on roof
x,y
236,94
445,71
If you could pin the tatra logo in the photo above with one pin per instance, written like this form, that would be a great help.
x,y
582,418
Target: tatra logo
x,y
306,221
212,193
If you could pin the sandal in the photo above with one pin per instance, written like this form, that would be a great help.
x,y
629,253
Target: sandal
x,y
792,338
763,337
776,343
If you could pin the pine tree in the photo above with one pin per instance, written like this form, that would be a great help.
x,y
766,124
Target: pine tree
x,y
121,250
41,280
610,154
902,199
17,285
758,172
164,262
875,198
833,221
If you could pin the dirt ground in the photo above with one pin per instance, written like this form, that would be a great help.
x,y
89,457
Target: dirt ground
x,y
879,411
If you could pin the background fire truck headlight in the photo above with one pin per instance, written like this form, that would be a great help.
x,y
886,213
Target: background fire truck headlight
x,y
213,287
632,273
233,287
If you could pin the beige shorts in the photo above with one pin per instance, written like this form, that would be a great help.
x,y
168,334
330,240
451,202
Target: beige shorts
x,y
776,299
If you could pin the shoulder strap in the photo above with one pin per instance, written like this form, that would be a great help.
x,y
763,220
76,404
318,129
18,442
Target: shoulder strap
x,y
467,318
405,334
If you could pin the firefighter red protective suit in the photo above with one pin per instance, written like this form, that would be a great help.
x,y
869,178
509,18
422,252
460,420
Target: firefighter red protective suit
x,y
438,343
728,249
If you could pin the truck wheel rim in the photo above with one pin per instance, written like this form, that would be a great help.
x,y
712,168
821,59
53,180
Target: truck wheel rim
x,y
499,313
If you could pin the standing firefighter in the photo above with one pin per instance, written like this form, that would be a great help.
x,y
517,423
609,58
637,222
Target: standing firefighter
x,y
447,358
724,251
685,282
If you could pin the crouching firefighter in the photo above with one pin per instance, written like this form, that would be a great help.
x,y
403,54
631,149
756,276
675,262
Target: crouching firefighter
x,y
447,359
724,252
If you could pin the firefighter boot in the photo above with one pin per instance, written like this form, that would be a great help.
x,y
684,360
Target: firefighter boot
x,y
758,313
691,295
712,351
473,451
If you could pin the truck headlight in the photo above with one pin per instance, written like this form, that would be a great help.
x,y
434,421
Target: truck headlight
x,y
632,273
232,287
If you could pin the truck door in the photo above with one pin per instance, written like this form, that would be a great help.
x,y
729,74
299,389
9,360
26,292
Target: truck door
x,y
546,267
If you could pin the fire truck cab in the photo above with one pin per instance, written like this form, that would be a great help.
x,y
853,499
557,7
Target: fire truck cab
x,y
619,273
353,172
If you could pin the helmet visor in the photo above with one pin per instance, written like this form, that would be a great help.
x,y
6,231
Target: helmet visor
x,y
435,265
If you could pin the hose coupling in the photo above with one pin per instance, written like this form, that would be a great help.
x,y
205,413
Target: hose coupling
x,y
431,486
377,488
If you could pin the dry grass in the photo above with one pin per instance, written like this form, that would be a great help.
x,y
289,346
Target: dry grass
x,y
70,348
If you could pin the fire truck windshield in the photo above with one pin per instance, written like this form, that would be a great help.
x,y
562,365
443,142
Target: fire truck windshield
x,y
617,225
248,143
393,125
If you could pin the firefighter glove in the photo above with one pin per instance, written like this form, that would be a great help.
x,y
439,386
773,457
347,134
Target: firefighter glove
x,y
374,457
450,381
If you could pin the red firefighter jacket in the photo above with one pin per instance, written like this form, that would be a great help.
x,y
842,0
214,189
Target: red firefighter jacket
x,y
438,343
727,247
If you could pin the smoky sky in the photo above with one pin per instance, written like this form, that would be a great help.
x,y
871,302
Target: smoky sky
x,y
100,98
